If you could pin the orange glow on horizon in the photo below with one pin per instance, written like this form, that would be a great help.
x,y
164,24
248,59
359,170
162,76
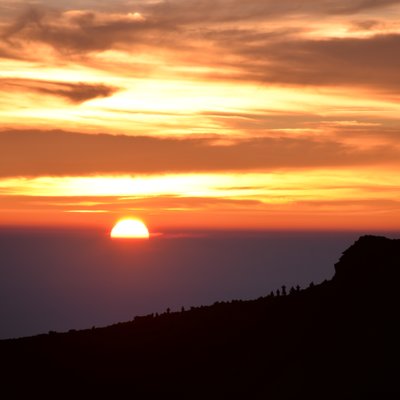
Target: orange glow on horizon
x,y
334,199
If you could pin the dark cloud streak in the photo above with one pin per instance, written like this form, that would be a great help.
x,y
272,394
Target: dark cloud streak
x,y
356,6
195,11
371,62
73,92
38,153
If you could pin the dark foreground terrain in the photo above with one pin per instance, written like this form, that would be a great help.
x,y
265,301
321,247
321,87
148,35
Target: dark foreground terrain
x,y
336,340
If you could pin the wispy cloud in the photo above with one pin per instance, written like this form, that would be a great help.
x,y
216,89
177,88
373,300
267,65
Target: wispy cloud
x,y
369,62
73,92
76,31
198,32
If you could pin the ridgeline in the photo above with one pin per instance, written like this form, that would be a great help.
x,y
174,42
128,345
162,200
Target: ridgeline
x,y
339,339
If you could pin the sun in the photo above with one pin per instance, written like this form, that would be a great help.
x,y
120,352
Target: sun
x,y
129,228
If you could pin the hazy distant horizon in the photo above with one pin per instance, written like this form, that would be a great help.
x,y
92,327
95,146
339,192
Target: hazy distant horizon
x,y
66,279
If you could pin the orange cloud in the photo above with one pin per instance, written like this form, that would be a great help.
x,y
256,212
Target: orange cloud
x,y
35,153
77,31
370,62
282,54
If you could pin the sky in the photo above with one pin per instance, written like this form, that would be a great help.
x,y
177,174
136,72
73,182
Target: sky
x,y
200,114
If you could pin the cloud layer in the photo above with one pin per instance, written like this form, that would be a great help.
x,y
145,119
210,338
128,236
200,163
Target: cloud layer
x,y
61,153
199,32
193,97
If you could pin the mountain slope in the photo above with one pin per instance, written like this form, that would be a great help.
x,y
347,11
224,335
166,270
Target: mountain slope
x,y
338,339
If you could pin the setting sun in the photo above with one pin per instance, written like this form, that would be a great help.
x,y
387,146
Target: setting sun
x,y
130,229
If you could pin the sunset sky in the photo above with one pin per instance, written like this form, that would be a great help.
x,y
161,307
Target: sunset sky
x,y
200,114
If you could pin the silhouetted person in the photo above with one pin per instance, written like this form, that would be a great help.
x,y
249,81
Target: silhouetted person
x,y
283,290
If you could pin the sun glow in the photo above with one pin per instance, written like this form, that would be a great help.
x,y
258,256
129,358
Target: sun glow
x,y
130,229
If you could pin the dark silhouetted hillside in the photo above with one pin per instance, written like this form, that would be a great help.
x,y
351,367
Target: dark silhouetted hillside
x,y
335,340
